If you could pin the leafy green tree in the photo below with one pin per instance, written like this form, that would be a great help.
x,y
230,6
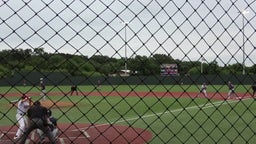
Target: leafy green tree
x,y
194,70
56,62
100,59
105,69
184,67
213,68
235,68
144,65
162,59
72,67
87,67
252,69
38,51
38,62
135,64
4,71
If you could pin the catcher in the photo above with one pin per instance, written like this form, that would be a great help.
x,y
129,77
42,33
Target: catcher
x,y
38,119
52,125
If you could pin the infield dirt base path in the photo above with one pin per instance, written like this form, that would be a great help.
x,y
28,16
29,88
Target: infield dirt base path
x,y
85,133
211,95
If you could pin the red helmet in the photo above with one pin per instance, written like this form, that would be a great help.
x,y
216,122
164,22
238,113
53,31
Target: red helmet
x,y
24,96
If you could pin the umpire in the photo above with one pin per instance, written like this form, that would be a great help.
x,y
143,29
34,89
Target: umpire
x,y
38,119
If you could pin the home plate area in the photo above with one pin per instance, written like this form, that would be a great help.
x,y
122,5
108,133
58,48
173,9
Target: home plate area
x,y
86,133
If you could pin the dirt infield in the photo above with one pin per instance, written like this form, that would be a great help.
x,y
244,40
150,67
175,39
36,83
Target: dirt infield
x,y
60,104
85,133
211,95
49,104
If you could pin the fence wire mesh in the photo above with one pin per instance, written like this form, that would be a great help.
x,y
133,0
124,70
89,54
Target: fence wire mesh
x,y
128,71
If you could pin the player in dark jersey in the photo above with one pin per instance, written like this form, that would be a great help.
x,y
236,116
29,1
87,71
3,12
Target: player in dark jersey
x,y
253,88
73,89
53,126
38,119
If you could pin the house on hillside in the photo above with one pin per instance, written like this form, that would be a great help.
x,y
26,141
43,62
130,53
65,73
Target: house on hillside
x,y
124,73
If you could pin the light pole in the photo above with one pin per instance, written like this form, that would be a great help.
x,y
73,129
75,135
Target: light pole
x,y
125,46
202,62
244,12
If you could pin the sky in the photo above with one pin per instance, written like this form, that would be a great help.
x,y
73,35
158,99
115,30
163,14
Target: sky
x,y
188,30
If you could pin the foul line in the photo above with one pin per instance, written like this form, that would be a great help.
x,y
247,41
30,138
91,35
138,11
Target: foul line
x,y
202,106
85,134
1,135
62,141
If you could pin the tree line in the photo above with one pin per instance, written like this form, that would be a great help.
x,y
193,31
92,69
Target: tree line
x,y
28,60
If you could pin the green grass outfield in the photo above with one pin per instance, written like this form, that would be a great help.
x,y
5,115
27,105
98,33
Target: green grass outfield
x,y
171,120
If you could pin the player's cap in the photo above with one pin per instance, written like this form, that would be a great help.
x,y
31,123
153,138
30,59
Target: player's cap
x,y
41,79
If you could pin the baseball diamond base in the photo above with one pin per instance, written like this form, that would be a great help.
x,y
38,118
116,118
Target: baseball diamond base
x,y
86,133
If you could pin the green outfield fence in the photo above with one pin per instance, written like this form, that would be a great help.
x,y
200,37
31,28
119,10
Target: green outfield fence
x,y
56,78
117,52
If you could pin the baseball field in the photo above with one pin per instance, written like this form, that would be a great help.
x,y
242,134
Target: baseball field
x,y
140,114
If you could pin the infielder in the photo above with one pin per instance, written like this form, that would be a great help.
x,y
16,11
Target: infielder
x,y
203,89
43,90
73,89
231,91
23,106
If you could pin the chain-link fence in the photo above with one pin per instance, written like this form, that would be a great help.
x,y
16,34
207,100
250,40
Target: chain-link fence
x,y
127,71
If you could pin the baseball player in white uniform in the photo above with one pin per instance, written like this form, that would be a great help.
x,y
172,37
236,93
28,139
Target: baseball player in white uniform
x,y
203,90
23,105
